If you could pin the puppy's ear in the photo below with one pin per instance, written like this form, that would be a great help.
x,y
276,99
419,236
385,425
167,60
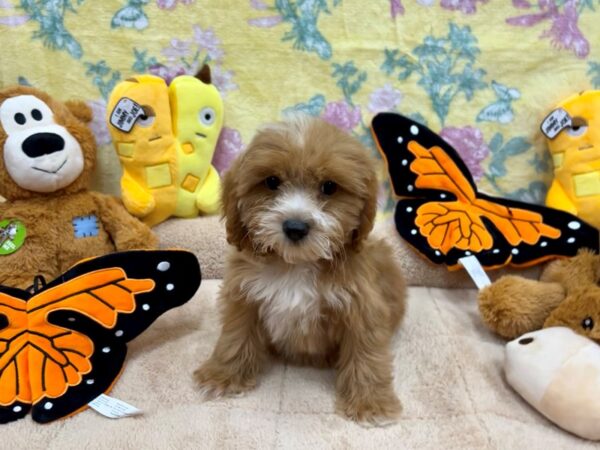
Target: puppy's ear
x,y
236,231
369,211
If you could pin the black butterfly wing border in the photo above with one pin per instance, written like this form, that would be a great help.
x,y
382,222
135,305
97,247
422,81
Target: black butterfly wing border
x,y
177,276
575,234
392,133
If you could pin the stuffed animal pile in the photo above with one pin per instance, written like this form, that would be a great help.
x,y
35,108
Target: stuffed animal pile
x,y
51,219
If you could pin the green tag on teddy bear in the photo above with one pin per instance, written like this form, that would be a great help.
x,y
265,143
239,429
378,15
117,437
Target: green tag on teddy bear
x,y
12,236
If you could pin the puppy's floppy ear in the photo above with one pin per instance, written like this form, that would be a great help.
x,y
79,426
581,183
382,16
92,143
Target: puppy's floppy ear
x,y
80,110
369,211
236,231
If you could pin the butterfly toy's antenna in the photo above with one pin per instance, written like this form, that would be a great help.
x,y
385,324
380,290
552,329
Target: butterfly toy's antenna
x,y
39,283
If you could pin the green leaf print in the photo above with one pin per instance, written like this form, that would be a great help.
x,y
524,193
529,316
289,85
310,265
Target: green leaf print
x,y
314,107
142,61
131,15
502,151
303,15
349,79
103,77
445,67
594,73
52,31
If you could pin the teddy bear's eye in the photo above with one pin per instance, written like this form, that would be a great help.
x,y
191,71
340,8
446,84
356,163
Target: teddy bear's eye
x,y
20,118
36,114
587,323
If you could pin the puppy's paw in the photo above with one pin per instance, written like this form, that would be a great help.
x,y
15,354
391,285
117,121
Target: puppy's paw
x,y
371,412
214,382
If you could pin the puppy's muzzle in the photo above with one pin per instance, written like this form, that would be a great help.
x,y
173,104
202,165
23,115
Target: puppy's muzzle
x,y
295,230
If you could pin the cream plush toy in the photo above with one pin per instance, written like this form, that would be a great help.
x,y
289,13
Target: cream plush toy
x,y
558,372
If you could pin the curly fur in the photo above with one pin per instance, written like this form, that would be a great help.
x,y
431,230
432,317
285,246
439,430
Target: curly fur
x,y
333,299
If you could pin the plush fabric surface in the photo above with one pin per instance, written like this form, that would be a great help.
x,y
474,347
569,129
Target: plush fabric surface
x,y
448,374
205,236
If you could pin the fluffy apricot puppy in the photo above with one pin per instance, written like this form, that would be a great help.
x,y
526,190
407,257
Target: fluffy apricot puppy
x,y
304,280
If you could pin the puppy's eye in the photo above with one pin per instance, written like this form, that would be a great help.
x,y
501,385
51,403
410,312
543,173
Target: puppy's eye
x,y
329,187
272,183
587,323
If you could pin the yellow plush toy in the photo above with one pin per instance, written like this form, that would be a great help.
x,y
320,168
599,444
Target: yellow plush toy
x,y
573,135
165,137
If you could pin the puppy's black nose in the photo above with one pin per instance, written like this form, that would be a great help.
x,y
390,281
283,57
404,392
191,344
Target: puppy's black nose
x,y
40,144
295,229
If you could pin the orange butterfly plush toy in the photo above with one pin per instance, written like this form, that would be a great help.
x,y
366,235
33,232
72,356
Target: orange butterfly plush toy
x,y
62,344
443,215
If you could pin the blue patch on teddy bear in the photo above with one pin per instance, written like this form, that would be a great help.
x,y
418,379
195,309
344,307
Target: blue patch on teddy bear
x,y
86,226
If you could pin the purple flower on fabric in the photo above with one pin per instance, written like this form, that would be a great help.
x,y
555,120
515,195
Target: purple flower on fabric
x,y
468,142
385,98
523,4
396,8
465,6
258,4
98,123
208,40
167,73
177,49
342,115
223,80
228,146
171,4
564,32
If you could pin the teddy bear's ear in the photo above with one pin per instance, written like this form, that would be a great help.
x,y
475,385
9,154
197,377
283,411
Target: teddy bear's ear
x,y
80,110
580,311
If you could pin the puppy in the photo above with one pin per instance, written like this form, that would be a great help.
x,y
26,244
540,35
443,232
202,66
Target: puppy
x,y
304,280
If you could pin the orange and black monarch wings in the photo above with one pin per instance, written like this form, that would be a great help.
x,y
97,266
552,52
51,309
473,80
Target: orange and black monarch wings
x,y
63,344
443,215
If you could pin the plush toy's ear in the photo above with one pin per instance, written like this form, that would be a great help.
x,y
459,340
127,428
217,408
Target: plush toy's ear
x,y
80,110
204,74
580,311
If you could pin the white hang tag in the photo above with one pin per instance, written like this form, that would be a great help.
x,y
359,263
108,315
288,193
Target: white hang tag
x,y
475,271
125,113
113,408
555,122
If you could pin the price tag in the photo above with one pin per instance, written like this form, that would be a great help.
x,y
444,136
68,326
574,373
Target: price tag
x,y
113,408
125,114
555,122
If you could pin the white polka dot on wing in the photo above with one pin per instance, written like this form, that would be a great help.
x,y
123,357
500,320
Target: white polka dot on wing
x,y
571,240
145,306
170,287
574,225
400,139
163,266
414,130
48,405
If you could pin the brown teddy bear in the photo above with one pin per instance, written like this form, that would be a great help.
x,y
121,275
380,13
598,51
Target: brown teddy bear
x,y
567,295
50,219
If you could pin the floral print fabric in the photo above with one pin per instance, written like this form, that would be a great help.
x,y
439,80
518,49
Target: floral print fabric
x,y
482,73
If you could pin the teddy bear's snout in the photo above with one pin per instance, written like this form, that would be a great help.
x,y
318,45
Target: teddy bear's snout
x,y
40,144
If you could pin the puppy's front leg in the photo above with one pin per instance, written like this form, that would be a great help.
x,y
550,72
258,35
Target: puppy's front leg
x,y
365,391
239,354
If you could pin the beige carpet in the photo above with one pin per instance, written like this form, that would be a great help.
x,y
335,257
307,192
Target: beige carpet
x,y
448,375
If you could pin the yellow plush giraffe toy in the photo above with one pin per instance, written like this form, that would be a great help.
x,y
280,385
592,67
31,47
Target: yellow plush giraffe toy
x,y
573,135
165,138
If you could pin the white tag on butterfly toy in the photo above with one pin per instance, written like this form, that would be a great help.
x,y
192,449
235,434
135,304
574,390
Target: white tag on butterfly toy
x,y
113,408
475,271
555,122
125,113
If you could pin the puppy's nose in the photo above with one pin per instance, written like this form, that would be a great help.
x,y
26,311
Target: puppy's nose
x,y
41,144
295,229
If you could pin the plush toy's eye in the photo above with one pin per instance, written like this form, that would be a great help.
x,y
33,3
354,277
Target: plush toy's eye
x,y
329,187
587,323
147,119
20,118
272,183
36,114
578,128
207,116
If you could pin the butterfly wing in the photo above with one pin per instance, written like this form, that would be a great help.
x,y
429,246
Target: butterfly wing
x,y
444,216
83,320
15,397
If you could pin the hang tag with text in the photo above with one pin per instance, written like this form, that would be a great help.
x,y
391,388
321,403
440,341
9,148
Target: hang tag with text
x,y
555,122
125,113
475,271
113,408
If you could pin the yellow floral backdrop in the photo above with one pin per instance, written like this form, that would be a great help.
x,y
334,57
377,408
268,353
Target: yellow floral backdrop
x,y
483,73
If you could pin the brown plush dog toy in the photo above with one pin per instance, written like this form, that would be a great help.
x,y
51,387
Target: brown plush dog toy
x,y
567,295
50,219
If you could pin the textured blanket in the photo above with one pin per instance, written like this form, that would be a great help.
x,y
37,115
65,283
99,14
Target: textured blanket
x,y
481,72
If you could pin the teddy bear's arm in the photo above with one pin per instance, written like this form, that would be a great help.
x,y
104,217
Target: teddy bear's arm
x,y
137,200
126,231
207,199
